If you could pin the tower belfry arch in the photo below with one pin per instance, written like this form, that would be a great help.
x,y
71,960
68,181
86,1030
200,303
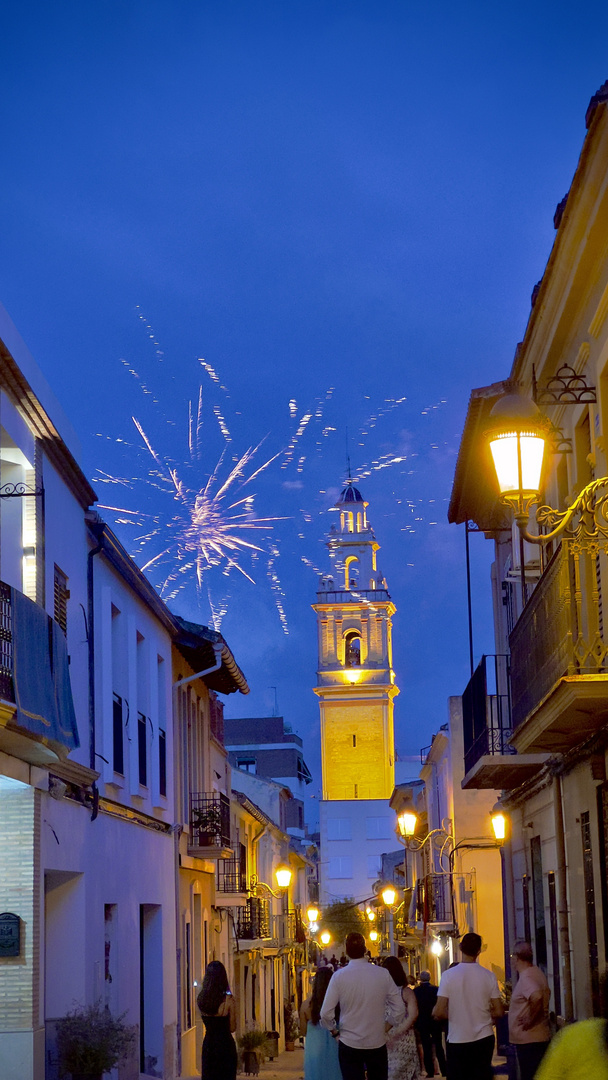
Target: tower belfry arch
x,y
356,690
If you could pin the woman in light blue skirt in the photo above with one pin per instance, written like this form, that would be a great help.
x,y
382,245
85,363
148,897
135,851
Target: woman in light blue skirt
x,y
321,1049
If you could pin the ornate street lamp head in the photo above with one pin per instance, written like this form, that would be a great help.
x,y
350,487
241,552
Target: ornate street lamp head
x,y
517,442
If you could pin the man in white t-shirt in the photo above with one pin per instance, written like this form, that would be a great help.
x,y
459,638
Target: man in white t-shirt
x,y
469,999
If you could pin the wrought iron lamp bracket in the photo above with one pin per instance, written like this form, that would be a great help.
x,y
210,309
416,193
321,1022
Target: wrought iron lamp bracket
x,y
589,508
255,884
20,491
563,388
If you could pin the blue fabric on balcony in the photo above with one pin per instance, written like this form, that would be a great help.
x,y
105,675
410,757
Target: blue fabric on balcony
x,y
41,677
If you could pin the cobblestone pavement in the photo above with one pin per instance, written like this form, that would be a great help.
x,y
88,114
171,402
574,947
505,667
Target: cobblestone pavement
x,y
290,1066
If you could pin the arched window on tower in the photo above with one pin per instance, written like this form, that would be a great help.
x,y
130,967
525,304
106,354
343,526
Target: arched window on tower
x,y
358,521
350,521
351,572
352,649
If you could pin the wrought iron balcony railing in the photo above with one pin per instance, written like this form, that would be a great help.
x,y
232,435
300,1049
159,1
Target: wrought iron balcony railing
x,y
209,820
253,922
7,690
561,630
230,876
434,899
486,711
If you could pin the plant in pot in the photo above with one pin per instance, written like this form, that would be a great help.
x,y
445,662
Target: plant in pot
x,y
90,1041
253,1045
292,1024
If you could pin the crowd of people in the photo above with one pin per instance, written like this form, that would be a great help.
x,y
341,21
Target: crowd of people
x,y
373,1020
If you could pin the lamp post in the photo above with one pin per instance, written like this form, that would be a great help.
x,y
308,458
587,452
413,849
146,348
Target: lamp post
x,y
389,896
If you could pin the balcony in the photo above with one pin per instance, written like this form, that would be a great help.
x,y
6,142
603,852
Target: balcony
x,y
559,655
37,718
489,759
253,921
231,877
209,826
434,900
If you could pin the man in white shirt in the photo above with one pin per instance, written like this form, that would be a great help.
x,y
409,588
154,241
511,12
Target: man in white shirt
x,y
469,999
367,997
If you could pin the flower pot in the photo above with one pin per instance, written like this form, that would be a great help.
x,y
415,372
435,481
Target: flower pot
x,y
251,1062
289,1045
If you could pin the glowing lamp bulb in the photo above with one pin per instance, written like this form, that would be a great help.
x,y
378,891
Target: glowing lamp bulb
x,y
325,937
283,876
373,935
499,824
407,823
436,948
388,895
312,914
370,914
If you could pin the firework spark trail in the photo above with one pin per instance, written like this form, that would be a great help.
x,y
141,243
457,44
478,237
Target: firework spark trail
x,y
315,413
209,533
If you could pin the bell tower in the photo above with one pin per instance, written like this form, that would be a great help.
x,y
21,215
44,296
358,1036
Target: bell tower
x,y
355,688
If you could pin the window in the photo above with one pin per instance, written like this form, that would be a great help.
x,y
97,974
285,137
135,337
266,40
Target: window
x,y
162,761
247,764
61,595
142,748
377,828
341,867
352,650
118,757
338,829
374,866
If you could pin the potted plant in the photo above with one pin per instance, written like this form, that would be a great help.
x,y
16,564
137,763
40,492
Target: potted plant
x,y
90,1041
253,1046
292,1024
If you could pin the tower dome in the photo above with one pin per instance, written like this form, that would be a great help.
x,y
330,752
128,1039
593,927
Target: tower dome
x,y
352,507
350,494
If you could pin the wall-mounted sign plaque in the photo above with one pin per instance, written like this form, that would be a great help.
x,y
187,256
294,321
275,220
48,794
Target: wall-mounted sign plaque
x,y
10,934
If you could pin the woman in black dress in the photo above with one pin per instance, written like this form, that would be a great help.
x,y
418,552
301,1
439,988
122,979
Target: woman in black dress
x,y
219,1017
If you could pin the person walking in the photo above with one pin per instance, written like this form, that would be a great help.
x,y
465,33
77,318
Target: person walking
x,y
403,1061
216,1005
429,1030
529,1012
469,999
366,994
321,1049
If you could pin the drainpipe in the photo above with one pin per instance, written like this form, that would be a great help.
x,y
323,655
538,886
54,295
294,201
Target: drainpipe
x,y
177,832
563,926
91,661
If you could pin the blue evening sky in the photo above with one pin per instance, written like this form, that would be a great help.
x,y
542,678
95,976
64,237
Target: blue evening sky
x,y
348,195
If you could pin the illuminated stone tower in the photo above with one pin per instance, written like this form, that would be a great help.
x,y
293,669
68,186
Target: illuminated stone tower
x,y
356,688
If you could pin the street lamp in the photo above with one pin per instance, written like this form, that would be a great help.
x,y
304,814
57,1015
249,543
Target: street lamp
x,y
283,876
373,935
389,895
325,938
499,823
370,914
517,441
406,821
437,948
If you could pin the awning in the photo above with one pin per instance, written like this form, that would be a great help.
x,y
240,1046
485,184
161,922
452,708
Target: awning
x,y
41,677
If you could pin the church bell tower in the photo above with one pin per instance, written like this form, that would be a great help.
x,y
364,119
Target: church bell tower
x,y
356,688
